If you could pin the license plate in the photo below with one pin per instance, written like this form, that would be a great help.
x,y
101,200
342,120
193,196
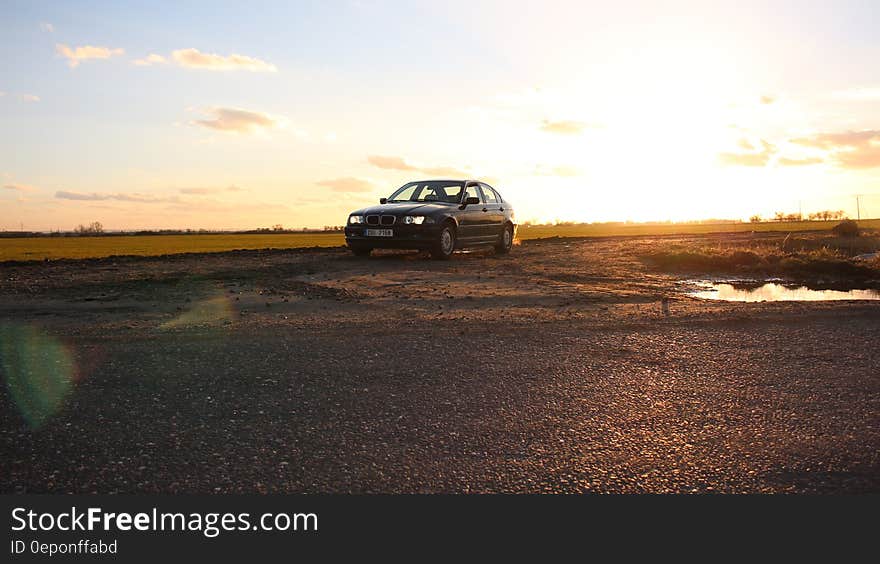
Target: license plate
x,y
380,233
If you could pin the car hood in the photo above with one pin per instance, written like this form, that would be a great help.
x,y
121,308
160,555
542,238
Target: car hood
x,y
404,208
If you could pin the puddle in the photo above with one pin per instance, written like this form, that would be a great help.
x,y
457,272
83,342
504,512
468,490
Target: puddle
x,y
775,292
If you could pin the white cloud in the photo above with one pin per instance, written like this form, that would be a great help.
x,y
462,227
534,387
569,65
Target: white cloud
x,y
398,163
20,187
232,188
788,161
47,27
849,149
97,197
237,120
195,59
75,55
23,97
149,60
745,144
389,163
752,155
565,127
347,184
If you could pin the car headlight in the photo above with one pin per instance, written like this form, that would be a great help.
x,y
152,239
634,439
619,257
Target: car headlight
x,y
417,219
354,219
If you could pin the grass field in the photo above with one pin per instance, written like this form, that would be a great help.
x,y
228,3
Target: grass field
x,y
623,229
41,248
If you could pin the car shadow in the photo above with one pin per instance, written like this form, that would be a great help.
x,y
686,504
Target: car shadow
x,y
391,255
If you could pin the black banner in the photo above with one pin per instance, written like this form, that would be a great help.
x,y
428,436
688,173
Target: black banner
x,y
137,528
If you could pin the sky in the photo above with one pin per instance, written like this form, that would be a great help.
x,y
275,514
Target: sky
x,y
230,115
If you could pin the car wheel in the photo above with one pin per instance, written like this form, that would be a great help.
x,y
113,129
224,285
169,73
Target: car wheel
x,y
361,251
445,243
505,240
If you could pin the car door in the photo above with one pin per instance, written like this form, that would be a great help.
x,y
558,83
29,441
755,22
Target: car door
x,y
493,220
471,217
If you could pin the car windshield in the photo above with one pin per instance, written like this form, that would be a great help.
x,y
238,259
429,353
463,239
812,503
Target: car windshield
x,y
432,191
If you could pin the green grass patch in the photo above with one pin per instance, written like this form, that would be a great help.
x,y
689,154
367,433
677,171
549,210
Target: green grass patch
x,y
782,258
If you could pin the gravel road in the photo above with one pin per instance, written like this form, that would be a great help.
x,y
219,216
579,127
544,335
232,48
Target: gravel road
x,y
554,369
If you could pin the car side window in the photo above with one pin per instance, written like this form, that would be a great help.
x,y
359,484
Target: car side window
x,y
472,192
453,194
489,195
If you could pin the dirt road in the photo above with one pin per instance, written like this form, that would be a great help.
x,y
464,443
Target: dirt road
x,y
554,369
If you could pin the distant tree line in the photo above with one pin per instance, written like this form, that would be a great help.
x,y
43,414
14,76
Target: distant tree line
x,y
94,228
825,215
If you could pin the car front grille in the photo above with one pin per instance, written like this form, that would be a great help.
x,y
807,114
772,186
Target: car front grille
x,y
380,219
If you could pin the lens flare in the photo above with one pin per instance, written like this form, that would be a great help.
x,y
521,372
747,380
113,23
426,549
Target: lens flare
x,y
38,370
214,310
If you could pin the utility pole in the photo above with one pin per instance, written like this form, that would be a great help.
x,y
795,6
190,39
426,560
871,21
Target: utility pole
x,y
858,208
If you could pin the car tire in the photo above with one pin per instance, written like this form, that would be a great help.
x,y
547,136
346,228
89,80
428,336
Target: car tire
x,y
445,244
361,250
505,240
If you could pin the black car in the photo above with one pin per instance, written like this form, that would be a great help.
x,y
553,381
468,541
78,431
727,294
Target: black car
x,y
437,215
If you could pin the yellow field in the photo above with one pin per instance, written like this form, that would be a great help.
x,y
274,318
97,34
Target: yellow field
x,y
40,248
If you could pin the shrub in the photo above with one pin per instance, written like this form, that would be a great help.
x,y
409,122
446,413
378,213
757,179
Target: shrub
x,y
744,258
847,228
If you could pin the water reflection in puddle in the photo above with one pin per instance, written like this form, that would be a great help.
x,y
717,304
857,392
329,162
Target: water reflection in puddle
x,y
772,292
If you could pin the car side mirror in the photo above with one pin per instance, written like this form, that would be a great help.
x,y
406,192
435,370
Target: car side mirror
x,y
471,201
383,200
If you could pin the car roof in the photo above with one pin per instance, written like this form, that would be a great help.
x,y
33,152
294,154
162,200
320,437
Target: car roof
x,y
450,180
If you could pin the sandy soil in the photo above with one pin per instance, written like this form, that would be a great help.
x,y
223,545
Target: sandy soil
x,y
552,369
